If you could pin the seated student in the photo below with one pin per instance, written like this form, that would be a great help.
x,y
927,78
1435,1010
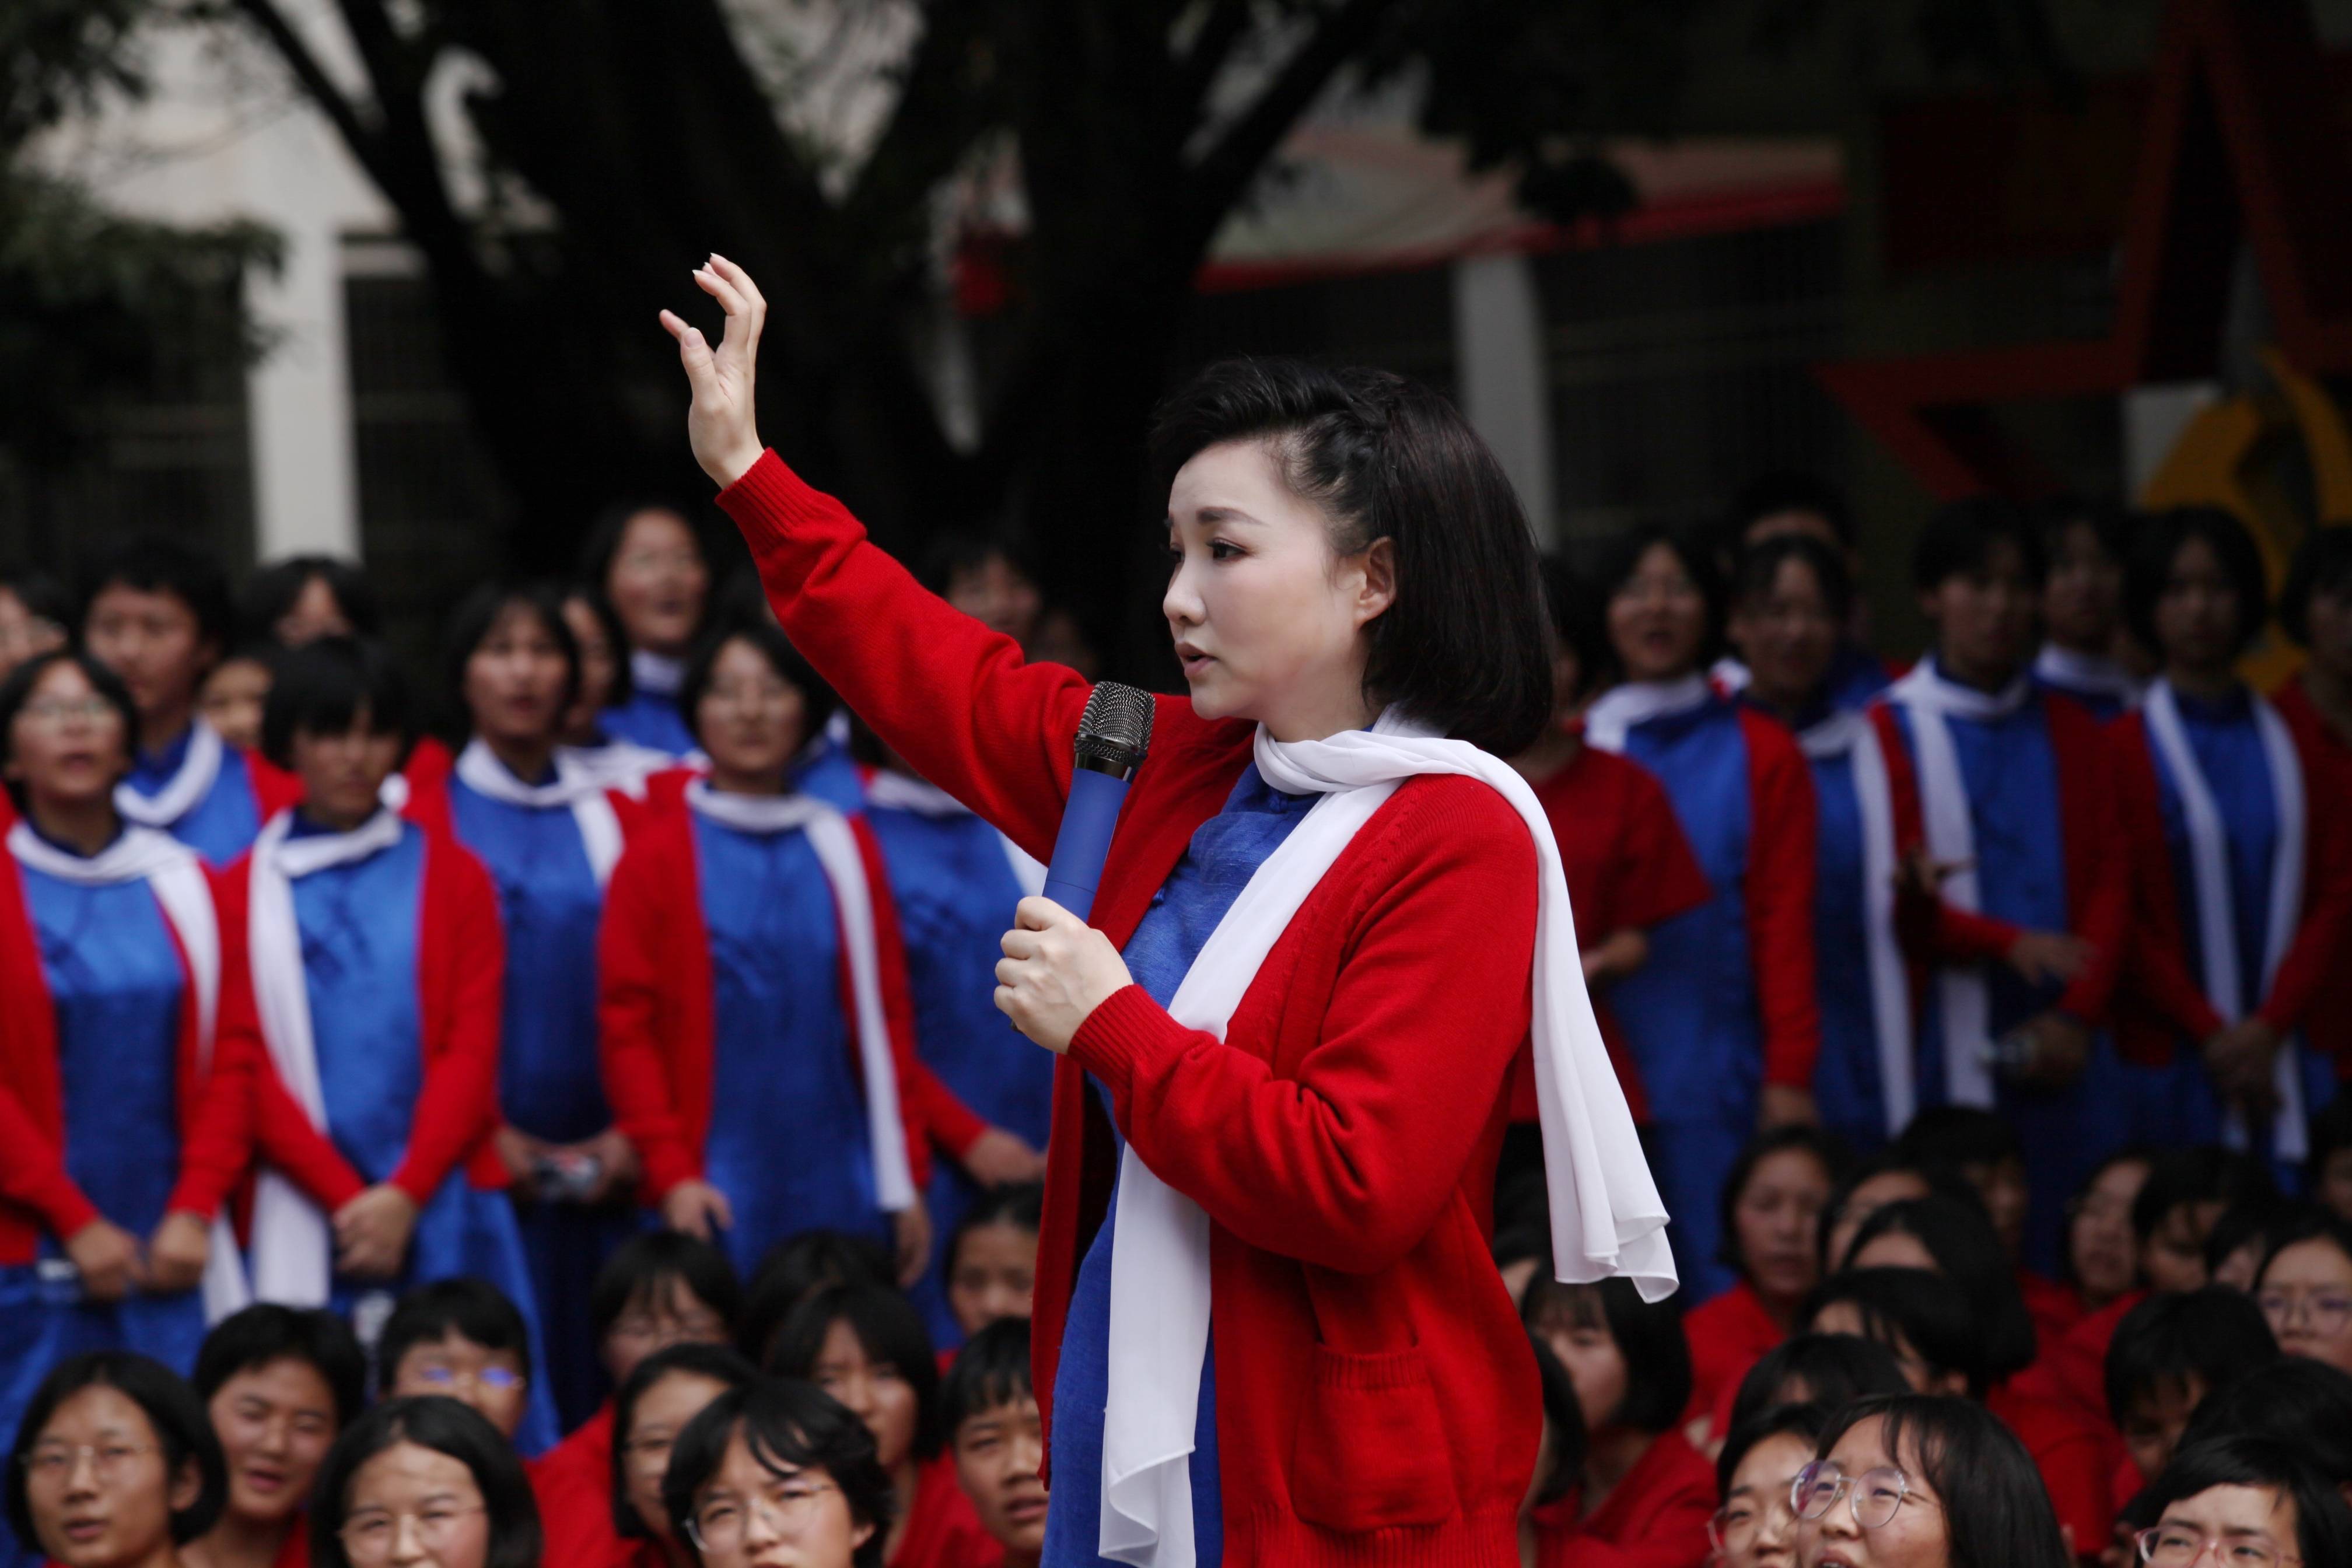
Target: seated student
x,y
2304,1289
423,1481
864,1345
1771,1215
2315,609
2252,1501
1811,1368
1755,1525
157,614
991,1262
2082,606
773,1463
659,1289
112,1466
660,1396
233,694
1883,1178
2240,1239
278,1383
1791,504
1954,1239
2102,1254
1646,1495
988,1408
1559,1453
2170,1353
463,1339
2328,1175
1982,1149
2305,1405
796,1268
1913,1479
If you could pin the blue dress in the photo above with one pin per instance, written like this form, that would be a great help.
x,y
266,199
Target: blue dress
x,y
955,892
1846,1081
826,772
223,824
650,719
1224,853
359,924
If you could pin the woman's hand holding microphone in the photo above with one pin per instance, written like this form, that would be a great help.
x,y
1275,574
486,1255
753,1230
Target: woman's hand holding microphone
x,y
1056,970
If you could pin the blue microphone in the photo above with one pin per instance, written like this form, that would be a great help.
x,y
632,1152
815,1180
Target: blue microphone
x,y
1113,735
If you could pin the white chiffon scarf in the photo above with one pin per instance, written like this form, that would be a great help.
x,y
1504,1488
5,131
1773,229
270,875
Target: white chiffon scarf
x,y
2071,669
198,769
172,870
1854,737
891,791
835,847
1606,1217
2209,861
293,1252
1635,703
575,786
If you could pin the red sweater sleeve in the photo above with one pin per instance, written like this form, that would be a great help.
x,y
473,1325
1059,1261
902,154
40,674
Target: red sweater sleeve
x,y
1659,874
2322,940
2100,903
1779,899
631,987
33,1172
284,1136
217,1143
952,696
459,1105
1347,1159
2155,962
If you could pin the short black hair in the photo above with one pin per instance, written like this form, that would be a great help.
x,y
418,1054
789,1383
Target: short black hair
x,y
719,1363
1833,1369
252,1339
798,1267
2306,1404
1804,1420
789,1427
2216,1335
889,1328
1954,1137
1961,535
2148,568
611,523
446,1427
272,590
323,687
1757,566
1649,1336
162,564
2132,1153
2202,1174
1622,558
18,690
1789,489
183,1430
641,1266
2322,1521
1996,1513
479,614
1019,1203
2110,525
768,640
1971,1261
1949,1183
617,637
1826,1148
1579,621
1461,647
2311,1223
1912,1307
471,1309
1565,1417
991,1370
2322,565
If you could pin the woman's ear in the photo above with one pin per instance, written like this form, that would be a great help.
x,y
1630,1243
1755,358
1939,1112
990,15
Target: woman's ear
x,y
1377,592
187,1486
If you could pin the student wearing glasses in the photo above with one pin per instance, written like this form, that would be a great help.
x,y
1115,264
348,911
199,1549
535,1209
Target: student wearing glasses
x,y
424,1483
2305,1289
114,1466
1908,1480
657,1403
779,1472
462,1340
2246,1502
278,1384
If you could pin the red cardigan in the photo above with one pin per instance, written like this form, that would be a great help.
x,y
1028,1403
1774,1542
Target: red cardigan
x,y
654,1039
573,1483
1342,1139
1728,1336
1653,1518
460,982
2326,775
1778,889
215,1103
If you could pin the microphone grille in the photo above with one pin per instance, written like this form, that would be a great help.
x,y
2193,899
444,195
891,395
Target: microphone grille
x,y
1116,727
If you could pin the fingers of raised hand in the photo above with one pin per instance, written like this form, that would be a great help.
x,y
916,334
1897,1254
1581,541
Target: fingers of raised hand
x,y
740,281
730,297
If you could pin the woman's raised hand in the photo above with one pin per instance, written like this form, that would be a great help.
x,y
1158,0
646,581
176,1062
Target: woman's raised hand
x,y
722,424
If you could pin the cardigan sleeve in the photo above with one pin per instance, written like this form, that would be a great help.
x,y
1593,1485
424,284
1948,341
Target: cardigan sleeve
x,y
952,696
284,1136
2098,862
629,1009
1347,1161
2155,964
1779,903
33,1172
2321,939
457,1106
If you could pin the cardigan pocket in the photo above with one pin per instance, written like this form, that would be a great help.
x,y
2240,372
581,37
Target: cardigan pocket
x,y
1369,1452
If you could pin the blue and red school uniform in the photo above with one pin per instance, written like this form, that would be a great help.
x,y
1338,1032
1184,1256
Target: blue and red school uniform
x,y
219,820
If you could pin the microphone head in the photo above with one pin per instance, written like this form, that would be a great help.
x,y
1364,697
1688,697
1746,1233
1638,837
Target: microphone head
x,y
1115,730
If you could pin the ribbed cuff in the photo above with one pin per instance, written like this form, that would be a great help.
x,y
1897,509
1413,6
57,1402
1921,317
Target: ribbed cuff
x,y
1117,1032
768,499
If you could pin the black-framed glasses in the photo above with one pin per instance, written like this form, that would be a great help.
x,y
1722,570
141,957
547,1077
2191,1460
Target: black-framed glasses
x,y
1872,1497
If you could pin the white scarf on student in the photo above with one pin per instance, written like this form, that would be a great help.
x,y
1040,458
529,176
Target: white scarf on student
x,y
479,770
658,673
1606,1218
1623,708
194,780
177,878
1963,1000
2208,862
1730,675
836,851
293,1242
618,764
2071,669
890,791
1853,735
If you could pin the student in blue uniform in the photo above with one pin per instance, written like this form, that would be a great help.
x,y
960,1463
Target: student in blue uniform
x,y
2083,623
1791,504
622,764
650,565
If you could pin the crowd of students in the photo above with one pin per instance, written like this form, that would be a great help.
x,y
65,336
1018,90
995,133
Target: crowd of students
x,y
490,1039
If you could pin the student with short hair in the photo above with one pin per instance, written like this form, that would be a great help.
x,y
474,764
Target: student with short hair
x,y
2305,1289
989,1266
461,1340
112,1466
278,1383
989,1410
1814,1368
235,691
1909,1478
1983,1149
796,1268
1885,1178
2102,1253
157,613
1792,504
2172,1352
2305,1405
424,1478
1755,1520
775,1461
2083,626
649,562
657,1401
2258,1499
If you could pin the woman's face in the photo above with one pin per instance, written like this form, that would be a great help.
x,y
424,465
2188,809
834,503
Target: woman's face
x,y
658,582
415,1506
1874,1194
2196,614
67,744
1657,619
2174,1258
2099,1241
2306,1294
1788,636
1984,618
342,776
1577,1331
1915,1537
275,1423
155,641
101,1491
600,661
996,1273
751,720
1777,1221
314,614
876,1392
2330,617
1755,1525
661,1413
233,697
2080,601
1268,621
1000,596
515,680
2260,1518
751,1517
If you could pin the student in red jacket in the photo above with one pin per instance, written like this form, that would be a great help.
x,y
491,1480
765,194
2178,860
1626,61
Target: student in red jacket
x,y
2314,608
661,1395
989,1407
1982,1150
1315,1142
278,1384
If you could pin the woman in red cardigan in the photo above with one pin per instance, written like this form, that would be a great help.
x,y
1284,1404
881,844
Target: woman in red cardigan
x,y
1306,1159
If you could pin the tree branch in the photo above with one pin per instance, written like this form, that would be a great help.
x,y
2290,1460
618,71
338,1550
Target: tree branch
x,y
938,117
366,144
1196,73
